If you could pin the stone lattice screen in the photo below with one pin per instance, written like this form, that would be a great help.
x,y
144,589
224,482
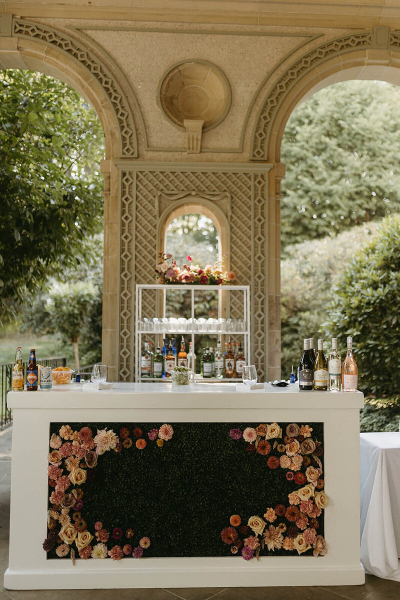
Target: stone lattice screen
x,y
246,216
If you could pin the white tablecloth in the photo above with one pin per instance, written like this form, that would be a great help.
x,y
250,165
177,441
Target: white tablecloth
x,y
380,504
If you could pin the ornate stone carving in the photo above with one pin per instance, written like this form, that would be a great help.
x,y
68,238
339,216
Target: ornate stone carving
x,y
142,190
222,199
85,57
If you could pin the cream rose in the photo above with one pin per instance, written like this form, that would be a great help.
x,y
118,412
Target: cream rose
x,y
306,492
307,446
274,431
84,538
321,499
320,546
292,448
256,524
77,476
313,474
68,533
300,544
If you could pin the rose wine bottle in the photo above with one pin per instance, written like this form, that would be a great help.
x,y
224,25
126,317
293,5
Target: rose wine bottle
x,y
349,369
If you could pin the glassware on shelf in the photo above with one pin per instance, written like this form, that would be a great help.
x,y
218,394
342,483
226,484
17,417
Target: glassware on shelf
x,y
182,325
249,375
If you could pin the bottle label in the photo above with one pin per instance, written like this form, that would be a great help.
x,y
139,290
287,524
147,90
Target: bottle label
x,y
146,365
18,376
321,378
350,382
230,364
207,368
45,378
335,367
158,368
240,364
219,362
182,362
32,377
169,366
306,377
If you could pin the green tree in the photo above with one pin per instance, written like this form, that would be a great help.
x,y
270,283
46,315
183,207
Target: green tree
x,y
193,235
341,149
366,305
51,143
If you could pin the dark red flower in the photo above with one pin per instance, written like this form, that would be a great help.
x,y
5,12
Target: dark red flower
x,y
292,531
273,462
251,448
200,272
117,533
306,461
300,478
292,513
280,510
314,523
244,530
78,505
320,484
85,434
219,281
124,433
137,432
290,476
300,438
203,279
287,439
229,535
48,544
238,543
52,483
264,447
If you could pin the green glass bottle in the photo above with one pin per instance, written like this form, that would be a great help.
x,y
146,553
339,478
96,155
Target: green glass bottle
x,y
207,364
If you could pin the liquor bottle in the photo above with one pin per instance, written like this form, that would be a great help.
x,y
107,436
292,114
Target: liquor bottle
x,y
182,356
32,373
192,360
240,362
158,364
146,368
18,372
219,362
175,351
313,353
229,362
349,369
206,364
306,369
292,376
321,375
169,361
164,353
335,368
211,356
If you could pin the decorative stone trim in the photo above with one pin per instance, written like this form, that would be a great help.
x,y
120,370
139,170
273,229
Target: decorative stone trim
x,y
97,69
379,38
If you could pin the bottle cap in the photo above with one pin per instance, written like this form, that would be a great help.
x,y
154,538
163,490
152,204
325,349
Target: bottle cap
x,y
334,343
349,341
320,344
307,344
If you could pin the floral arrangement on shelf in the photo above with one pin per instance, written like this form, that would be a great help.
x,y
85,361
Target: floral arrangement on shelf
x,y
72,460
292,525
168,272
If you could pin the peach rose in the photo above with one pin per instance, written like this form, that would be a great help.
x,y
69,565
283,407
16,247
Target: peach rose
x,y
292,430
77,476
313,474
321,499
306,492
320,546
274,431
300,544
83,539
54,457
262,430
285,461
68,533
292,448
256,524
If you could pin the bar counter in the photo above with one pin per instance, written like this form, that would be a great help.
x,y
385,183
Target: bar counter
x,y
205,406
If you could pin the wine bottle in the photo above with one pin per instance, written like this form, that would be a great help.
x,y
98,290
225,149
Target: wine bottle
x,y
158,364
349,369
321,375
306,368
335,368
313,353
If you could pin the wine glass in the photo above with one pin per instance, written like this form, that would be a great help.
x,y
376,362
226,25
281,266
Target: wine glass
x,y
99,373
249,375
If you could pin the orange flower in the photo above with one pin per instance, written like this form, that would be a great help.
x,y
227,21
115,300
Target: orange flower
x,y
160,443
141,443
235,520
231,276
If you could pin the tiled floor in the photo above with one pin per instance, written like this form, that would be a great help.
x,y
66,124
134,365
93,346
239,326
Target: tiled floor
x,y
374,589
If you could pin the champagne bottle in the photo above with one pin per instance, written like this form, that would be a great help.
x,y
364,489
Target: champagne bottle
x,y
306,368
349,369
158,364
335,368
321,375
18,372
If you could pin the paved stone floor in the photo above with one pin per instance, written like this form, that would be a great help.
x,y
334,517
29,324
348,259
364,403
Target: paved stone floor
x,y
374,589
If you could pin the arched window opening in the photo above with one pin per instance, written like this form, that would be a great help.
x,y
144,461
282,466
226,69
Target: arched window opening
x,y
193,235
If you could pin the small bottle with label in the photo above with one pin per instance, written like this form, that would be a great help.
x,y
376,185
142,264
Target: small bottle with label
x,y
335,368
169,361
219,362
158,364
321,375
240,362
306,369
18,372
146,367
349,369
32,373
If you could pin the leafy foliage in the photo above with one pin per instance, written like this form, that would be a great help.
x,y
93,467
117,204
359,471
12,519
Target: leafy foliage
x,y
341,149
366,305
51,143
384,417
193,235
308,276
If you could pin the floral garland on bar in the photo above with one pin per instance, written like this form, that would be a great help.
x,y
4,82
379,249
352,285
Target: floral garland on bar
x,y
292,525
168,272
72,456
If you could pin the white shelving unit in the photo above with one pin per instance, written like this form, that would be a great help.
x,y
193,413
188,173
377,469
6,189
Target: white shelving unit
x,y
245,289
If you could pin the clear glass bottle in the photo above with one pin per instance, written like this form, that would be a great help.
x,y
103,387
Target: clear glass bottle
x,y
18,372
335,368
158,364
306,369
212,360
146,371
349,369
192,360
321,375
240,362
219,362
182,356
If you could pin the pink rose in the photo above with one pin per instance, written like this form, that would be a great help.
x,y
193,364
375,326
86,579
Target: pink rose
x,y
320,546
252,542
